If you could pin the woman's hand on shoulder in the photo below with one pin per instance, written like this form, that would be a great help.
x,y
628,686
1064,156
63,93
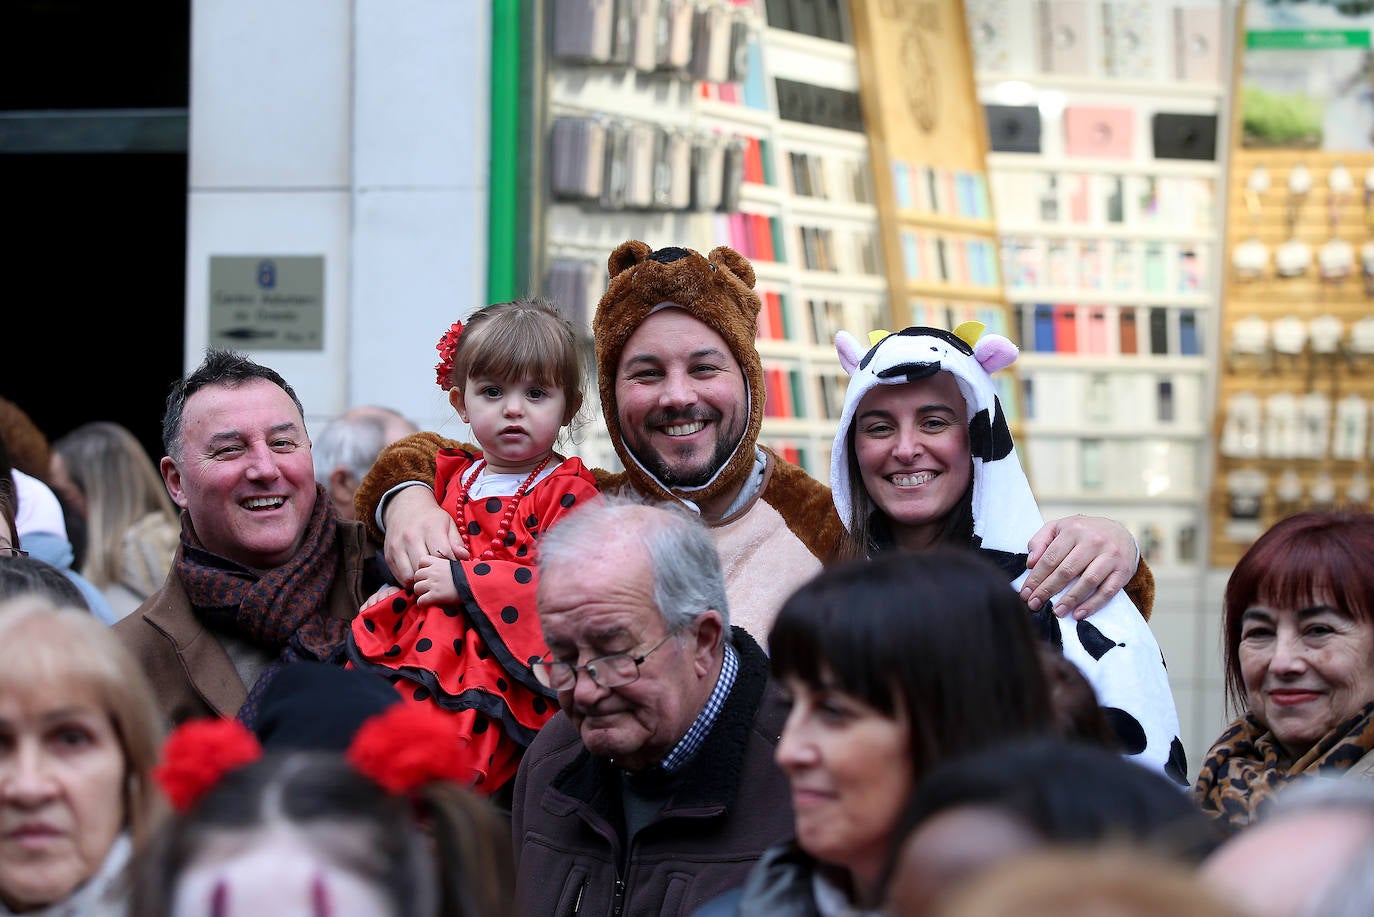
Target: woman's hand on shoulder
x,y
1101,553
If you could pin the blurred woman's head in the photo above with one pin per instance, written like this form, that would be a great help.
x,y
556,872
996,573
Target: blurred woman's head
x,y
305,831
79,734
1073,882
892,666
1299,626
976,810
103,470
22,575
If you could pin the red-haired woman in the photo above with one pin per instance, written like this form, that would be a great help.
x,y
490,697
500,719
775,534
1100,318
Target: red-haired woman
x,y
1298,629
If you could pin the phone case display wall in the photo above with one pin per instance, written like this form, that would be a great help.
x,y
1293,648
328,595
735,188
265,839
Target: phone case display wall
x,y
1105,177
1297,387
709,123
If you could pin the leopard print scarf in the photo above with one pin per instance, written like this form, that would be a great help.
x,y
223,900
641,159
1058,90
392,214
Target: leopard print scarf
x,y
281,610
1246,767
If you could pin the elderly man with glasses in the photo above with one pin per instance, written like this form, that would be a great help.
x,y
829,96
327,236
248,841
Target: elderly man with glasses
x,y
654,789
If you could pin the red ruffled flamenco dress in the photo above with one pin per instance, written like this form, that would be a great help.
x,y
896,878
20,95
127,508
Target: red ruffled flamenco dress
x,y
473,659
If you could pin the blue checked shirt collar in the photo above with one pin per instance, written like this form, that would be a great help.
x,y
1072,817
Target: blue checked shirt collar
x,y
701,727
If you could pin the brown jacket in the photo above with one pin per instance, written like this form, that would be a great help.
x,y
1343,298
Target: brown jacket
x,y
191,673
728,805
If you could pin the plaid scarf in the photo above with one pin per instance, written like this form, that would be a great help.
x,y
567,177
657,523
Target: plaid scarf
x,y
1247,766
281,610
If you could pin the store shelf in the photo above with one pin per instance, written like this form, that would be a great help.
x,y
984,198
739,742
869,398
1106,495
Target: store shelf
x,y
1016,86
954,291
1038,429
946,221
1109,297
1012,162
1079,362
1111,232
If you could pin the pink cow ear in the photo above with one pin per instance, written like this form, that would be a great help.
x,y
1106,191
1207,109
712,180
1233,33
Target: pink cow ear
x,y
994,352
849,350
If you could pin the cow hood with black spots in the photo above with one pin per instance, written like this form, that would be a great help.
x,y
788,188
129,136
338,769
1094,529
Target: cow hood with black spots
x,y
1114,649
916,353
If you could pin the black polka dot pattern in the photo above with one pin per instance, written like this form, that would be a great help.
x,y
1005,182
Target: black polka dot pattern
x,y
446,659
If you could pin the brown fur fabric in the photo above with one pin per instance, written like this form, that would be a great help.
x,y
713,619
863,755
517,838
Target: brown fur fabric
x,y
806,506
408,459
1141,589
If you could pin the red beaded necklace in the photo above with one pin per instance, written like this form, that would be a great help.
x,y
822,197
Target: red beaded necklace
x,y
503,529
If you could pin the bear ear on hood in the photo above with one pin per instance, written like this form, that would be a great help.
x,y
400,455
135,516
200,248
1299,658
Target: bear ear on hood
x,y
626,256
726,257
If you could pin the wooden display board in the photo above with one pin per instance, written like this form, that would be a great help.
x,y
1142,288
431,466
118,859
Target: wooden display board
x,y
1296,384
917,76
928,145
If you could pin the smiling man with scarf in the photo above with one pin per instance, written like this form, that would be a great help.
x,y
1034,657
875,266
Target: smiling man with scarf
x,y
266,573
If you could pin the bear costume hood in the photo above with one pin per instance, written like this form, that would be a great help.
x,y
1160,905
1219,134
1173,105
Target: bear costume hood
x,y
717,290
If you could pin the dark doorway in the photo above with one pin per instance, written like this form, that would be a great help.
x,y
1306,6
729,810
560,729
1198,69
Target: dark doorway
x,y
95,210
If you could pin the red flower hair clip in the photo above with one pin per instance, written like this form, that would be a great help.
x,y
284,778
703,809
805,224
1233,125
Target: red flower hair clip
x,y
400,749
198,753
448,348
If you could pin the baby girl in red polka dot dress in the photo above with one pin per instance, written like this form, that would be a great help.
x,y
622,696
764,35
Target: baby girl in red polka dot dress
x,y
465,635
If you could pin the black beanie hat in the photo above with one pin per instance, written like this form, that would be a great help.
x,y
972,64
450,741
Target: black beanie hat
x,y
319,706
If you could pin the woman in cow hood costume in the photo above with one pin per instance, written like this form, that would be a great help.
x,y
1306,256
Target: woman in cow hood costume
x,y
924,456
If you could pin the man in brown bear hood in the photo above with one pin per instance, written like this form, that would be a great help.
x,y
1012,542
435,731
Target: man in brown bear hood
x,y
682,392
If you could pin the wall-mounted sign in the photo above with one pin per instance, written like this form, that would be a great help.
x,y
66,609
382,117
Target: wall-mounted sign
x,y
1308,77
267,303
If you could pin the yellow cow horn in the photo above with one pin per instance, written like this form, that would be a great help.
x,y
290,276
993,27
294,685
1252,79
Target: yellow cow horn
x,y
876,336
970,332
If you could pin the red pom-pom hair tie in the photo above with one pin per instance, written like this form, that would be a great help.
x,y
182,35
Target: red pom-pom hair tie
x,y
448,348
198,753
407,746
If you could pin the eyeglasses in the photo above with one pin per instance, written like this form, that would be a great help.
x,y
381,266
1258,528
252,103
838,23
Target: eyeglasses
x,y
11,551
613,671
